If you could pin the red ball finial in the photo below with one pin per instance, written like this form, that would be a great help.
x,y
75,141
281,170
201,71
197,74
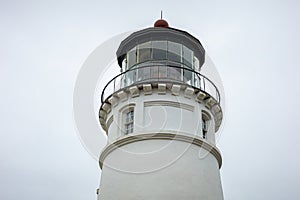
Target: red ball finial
x,y
161,23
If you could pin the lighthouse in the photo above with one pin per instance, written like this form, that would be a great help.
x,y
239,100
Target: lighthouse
x,y
160,114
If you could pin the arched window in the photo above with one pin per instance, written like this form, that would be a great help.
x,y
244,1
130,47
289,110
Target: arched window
x,y
127,119
205,124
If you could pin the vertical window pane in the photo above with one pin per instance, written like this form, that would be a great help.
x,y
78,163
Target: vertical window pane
x,y
205,124
131,58
129,120
129,128
144,52
187,57
196,64
174,73
162,71
159,50
197,80
204,128
124,65
130,77
197,69
144,73
187,76
129,117
174,51
154,72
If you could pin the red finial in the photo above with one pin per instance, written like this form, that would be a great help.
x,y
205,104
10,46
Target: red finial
x,y
161,23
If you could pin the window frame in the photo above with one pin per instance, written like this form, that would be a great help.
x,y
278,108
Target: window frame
x,y
205,123
127,117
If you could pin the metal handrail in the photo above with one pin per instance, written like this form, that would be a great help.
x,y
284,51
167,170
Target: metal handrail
x,y
202,86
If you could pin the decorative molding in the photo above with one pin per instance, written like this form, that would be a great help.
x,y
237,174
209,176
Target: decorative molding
x,y
201,96
175,89
134,91
162,88
169,103
188,92
106,107
160,136
109,122
147,89
122,95
113,101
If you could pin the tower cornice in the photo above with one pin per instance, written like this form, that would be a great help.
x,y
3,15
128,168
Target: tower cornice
x,y
131,138
162,88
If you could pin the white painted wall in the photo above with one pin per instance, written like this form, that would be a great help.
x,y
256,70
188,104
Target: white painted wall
x,y
160,170
161,118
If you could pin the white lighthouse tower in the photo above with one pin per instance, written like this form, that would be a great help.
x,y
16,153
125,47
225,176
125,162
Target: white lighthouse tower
x,y
160,115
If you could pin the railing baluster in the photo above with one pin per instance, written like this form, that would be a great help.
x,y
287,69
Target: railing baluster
x,y
115,85
204,84
158,72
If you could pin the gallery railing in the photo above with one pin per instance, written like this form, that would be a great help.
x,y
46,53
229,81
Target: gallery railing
x,y
158,73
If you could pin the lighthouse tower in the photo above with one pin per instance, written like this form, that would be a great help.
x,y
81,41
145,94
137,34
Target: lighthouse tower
x,y
160,115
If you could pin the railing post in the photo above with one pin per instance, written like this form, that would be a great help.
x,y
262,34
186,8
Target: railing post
x,y
114,85
158,73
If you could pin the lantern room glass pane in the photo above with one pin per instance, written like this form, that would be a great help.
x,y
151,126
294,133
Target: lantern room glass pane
x,y
162,71
124,65
154,72
196,77
159,50
187,57
187,76
196,64
143,73
174,51
130,77
144,52
174,73
131,58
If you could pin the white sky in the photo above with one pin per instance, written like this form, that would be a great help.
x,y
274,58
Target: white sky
x,y
254,44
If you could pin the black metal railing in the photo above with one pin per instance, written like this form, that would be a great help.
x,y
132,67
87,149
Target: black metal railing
x,y
154,73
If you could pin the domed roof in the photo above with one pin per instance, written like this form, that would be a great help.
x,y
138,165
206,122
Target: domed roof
x,y
161,23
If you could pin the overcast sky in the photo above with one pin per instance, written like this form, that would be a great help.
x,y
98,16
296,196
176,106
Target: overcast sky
x,y
43,44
